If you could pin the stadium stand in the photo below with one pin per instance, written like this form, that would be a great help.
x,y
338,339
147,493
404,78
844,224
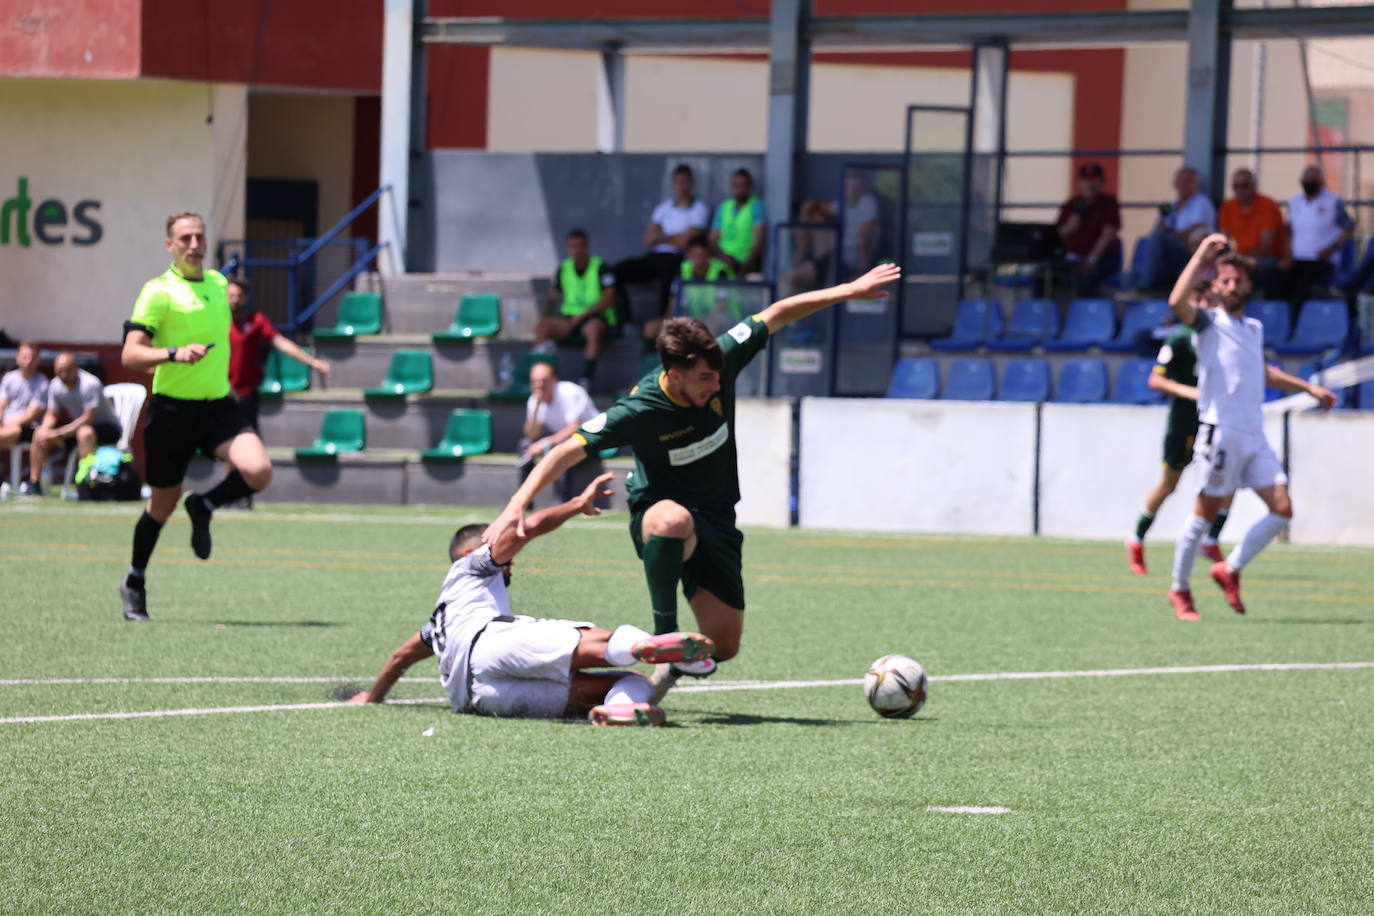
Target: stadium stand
x,y
282,375
518,388
359,313
411,372
1133,383
915,378
970,380
478,315
1139,316
976,321
1321,325
1033,321
341,431
1082,381
1364,396
1025,380
1274,315
1089,323
467,433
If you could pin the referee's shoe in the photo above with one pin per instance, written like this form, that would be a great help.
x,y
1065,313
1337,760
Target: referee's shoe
x,y
200,515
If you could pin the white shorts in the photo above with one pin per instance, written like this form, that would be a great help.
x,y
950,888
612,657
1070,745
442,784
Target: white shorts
x,y
523,668
1232,460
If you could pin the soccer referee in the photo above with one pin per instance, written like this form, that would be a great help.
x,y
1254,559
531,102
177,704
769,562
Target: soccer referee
x,y
180,330
680,423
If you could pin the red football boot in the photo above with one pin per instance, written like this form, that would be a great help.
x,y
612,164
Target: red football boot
x,y
1182,603
1212,552
1229,580
1135,555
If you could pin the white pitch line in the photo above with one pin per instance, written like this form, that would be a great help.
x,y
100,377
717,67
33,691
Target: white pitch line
x,y
206,711
968,809
80,681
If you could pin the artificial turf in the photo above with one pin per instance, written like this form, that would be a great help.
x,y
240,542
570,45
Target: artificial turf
x,y
1246,791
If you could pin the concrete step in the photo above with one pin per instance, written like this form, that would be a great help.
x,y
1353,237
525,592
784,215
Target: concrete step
x,y
426,302
363,361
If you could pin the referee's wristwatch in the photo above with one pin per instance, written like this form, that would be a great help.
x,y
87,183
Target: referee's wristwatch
x,y
171,354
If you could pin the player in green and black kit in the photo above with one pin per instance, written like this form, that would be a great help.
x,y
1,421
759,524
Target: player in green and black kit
x,y
180,330
682,492
1175,374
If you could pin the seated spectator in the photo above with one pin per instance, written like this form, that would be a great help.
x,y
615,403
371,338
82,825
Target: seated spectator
x,y
583,291
1318,225
77,409
1178,230
675,222
553,412
740,228
1089,227
697,301
813,248
23,397
859,234
248,331
1255,225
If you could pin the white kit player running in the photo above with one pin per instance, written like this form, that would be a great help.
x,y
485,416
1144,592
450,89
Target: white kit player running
x,y
1230,444
496,663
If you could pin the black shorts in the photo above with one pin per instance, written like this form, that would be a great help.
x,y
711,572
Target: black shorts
x,y
717,564
177,429
106,433
26,433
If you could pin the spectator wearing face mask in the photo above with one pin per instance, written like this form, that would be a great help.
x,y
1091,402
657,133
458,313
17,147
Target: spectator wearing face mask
x,y
1318,225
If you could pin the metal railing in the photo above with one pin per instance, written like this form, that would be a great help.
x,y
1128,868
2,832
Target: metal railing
x,y
293,264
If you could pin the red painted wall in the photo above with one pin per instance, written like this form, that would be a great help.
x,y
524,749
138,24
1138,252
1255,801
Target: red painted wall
x,y
90,39
318,44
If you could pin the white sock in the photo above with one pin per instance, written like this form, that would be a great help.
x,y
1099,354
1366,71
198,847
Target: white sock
x,y
619,647
1185,551
1255,540
632,688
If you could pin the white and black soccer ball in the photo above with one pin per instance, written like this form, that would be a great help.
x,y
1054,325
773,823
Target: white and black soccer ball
x,y
896,686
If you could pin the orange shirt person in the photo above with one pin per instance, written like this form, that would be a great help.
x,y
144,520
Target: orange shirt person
x,y
1253,221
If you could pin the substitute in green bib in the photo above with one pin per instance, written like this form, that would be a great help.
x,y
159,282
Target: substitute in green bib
x,y
740,226
680,422
1175,374
583,295
180,330
694,299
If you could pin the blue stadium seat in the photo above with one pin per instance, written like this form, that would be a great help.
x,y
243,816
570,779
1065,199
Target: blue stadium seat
x,y
1274,315
1344,265
915,378
976,321
1090,323
1273,394
1322,324
1082,381
970,380
1033,321
1025,380
1365,395
1312,367
1139,316
1133,383
1130,278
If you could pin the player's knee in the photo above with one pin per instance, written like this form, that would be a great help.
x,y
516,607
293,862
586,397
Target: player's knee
x,y
257,474
1283,506
727,647
669,520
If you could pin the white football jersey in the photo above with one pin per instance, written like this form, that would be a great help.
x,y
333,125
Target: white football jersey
x,y
1230,370
474,594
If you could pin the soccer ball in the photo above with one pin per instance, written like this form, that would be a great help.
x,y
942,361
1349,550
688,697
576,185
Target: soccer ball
x,y
895,686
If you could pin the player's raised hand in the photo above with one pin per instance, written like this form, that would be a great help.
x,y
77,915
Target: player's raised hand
x,y
1213,245
597,489
870,285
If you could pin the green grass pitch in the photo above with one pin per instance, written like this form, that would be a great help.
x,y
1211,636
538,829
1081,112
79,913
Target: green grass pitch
x,y
1239,792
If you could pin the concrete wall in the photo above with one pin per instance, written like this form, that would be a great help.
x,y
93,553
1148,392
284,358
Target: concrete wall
x,y
763,431
971,468
142,149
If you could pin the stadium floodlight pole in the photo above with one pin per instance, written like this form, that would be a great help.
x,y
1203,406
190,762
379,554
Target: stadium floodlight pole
x,y
398,41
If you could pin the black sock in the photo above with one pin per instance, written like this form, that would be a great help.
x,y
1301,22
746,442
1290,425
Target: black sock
x,y
233,487
145,539
589,370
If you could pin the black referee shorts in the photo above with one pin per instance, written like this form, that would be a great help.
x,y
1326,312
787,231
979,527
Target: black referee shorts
x,y
177,429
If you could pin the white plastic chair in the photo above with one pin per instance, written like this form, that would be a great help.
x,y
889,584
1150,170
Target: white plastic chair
x,y
126,399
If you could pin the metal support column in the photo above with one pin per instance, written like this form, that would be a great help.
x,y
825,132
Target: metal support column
x,y
991,68
789,92
610,103
1209,83
398,45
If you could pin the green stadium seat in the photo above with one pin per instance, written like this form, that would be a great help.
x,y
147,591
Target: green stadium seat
x,y
410,372
519,387
468,432
340,431
282,375
359,313
478,315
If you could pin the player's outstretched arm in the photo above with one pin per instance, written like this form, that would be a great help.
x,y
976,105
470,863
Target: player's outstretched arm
x,y
546,472
1166,385
794,308
410,652
1277,378
1180,300
504,549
